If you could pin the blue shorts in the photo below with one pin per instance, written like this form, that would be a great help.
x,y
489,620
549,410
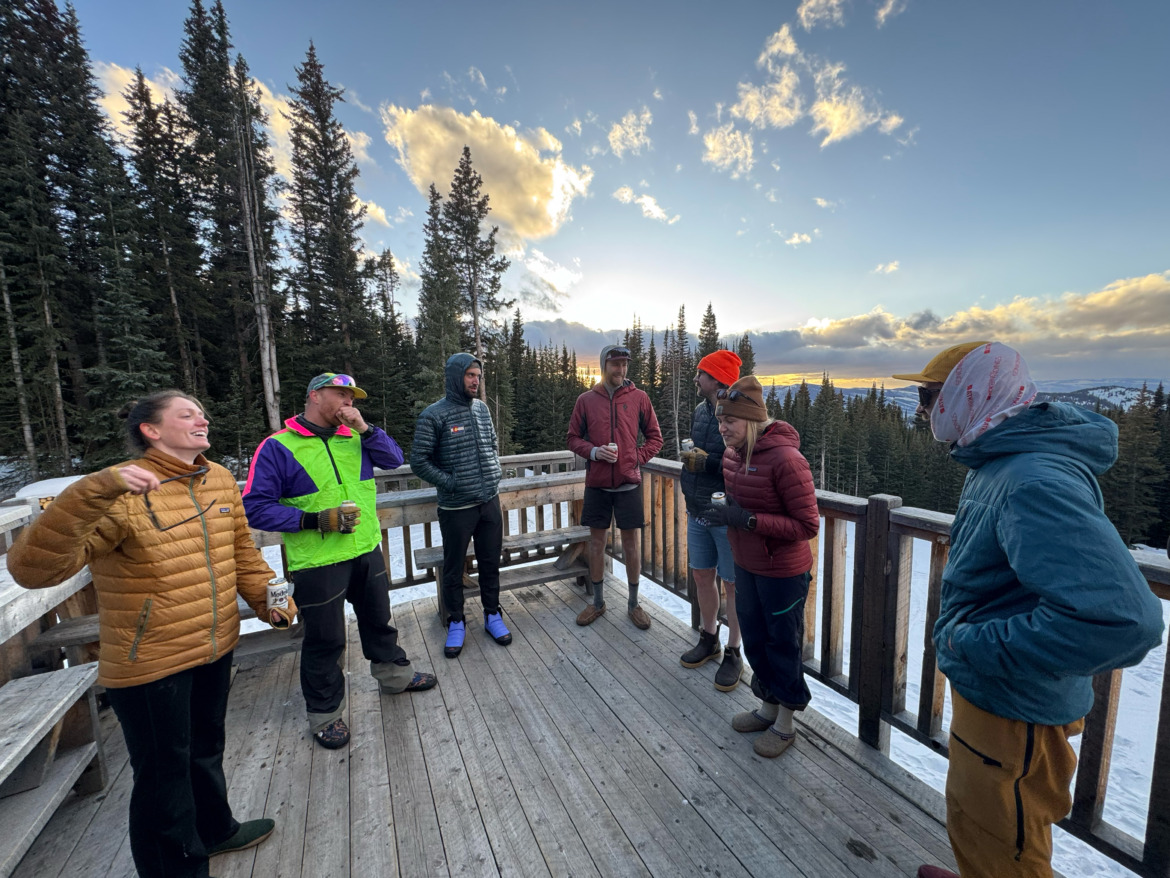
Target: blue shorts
x,y
709,549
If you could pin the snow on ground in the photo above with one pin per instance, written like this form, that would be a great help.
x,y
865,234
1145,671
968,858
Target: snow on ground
x,y
1137,718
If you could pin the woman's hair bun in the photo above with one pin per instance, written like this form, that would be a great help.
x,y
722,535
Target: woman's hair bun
x,y
124,411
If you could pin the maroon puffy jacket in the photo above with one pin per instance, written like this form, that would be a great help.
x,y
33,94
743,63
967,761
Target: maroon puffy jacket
x,y
598,420
778,489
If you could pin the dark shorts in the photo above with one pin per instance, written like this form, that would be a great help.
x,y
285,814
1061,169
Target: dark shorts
x,y
625,507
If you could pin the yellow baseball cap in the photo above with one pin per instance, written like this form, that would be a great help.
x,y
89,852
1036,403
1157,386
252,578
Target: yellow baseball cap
x,y
940,367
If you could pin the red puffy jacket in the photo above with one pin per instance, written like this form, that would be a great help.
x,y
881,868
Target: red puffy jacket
x,y
598,420
777,487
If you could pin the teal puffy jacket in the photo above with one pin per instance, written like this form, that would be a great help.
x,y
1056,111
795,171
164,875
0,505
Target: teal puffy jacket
x,y
454,444
1040,593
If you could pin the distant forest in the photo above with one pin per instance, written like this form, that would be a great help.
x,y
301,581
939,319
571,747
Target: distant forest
x,y
179,257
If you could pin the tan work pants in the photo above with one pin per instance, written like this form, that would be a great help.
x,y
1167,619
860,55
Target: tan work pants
x,y
1007,783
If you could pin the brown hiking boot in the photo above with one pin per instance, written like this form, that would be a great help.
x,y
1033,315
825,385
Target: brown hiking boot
x,y
708,648
590,614
638,617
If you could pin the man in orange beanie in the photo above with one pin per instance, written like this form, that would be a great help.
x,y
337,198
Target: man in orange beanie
x,y
708,550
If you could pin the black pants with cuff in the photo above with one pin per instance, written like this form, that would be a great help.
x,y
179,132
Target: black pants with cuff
x,y
771,620
485,524
320,593
174,731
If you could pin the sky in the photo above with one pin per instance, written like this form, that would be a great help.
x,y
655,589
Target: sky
x,y
858,183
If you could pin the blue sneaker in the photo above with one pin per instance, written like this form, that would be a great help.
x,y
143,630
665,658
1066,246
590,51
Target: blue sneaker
x,y
494,625
455,634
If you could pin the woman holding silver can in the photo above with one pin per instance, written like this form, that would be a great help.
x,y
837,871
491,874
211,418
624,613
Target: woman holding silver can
x,y
168,546
770,510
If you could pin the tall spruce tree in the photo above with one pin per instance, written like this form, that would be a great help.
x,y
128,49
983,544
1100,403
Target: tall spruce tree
x,y
708,333
438,330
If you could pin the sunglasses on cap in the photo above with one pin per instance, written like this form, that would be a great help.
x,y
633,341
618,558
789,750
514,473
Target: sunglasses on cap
x,y
618,354
337,381
734,395
927,395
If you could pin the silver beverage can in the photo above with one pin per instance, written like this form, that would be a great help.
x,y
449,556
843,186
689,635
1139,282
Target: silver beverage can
x,y
718,499
278,593
349,507
688,445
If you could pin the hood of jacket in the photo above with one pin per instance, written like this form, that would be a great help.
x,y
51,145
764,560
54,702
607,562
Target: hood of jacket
x,y
1050,427
776,434
457,365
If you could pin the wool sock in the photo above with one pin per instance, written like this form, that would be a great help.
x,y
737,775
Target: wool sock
x,y
783,723
769,711
633,595
598,600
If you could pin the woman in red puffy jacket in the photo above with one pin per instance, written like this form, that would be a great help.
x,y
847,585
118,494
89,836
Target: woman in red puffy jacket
x,y
771,514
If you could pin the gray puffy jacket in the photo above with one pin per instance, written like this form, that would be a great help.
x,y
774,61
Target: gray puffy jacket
x,y
454,444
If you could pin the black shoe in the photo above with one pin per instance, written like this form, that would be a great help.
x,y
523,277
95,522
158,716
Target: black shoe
x,y
708,648
250,834
727,677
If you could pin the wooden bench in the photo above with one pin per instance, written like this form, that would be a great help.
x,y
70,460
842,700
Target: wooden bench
x,y
571,541
50,741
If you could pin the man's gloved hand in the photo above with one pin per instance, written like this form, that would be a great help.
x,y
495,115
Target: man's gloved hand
x,y
336,520
695,461
731,515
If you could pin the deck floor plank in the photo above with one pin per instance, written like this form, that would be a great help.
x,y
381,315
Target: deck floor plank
x,y
574,751
372,850
512,843
679,827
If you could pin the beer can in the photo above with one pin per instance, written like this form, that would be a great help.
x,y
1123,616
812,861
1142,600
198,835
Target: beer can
x,y
688,445
278,593
718,499
348,507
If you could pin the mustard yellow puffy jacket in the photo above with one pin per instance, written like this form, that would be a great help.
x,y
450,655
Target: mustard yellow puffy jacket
x,y
166,599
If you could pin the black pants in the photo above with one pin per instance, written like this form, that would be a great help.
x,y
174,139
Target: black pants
x,y
771,620
484,524
319,592
174,730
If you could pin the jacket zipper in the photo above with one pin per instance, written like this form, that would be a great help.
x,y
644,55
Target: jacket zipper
x,y
613,472
210,569
333,463
143,619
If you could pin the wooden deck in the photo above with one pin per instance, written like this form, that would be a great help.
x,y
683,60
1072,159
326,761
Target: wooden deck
x,y
575,751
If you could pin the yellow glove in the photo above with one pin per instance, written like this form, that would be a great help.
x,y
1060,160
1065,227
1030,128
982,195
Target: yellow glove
x,y
694,461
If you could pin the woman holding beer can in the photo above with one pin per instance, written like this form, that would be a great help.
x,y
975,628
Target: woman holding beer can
x,y
770,510
168,545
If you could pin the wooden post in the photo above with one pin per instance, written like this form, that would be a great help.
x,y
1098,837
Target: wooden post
x,y
833,599
932,685
872,605
1157,847
1096,751
895,652
808,651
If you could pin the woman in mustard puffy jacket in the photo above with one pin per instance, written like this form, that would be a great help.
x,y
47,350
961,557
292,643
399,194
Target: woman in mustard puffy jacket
x,y
168,546
771,514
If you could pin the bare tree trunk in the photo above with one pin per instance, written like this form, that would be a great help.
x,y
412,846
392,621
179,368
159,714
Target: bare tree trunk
x,y
184,350
55,373
30,448
249,204
473,294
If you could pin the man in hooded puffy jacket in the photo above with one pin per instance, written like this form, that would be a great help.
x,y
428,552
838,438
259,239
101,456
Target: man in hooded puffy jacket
x,y
455,450
1039,595
299,479
604,430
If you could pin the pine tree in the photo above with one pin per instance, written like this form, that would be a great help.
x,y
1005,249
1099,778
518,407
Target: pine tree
x,y
477,268
709,334
746,355
438,330
1129,485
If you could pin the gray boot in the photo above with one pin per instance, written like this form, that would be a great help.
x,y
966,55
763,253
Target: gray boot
x,y
727,677
708,648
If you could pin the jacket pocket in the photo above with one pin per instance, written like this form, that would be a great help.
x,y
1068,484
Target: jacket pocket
x,y
140,628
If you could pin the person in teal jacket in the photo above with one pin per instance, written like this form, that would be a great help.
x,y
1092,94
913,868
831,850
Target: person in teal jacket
x,y
1039,594
299,479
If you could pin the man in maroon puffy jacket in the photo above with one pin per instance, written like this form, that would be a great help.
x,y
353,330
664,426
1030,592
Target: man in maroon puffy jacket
x,y
604,430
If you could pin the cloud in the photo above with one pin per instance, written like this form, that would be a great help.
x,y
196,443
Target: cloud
x,y
531,186
694,120
548,283
375,213
728,150
1122,329
816,12
779,45
278,108
113,80
797,238
629,135
775,104
648,203
657,94
352,97
841,110
359,145
886,267
470,87
574,127
825,203
402,215
888,10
